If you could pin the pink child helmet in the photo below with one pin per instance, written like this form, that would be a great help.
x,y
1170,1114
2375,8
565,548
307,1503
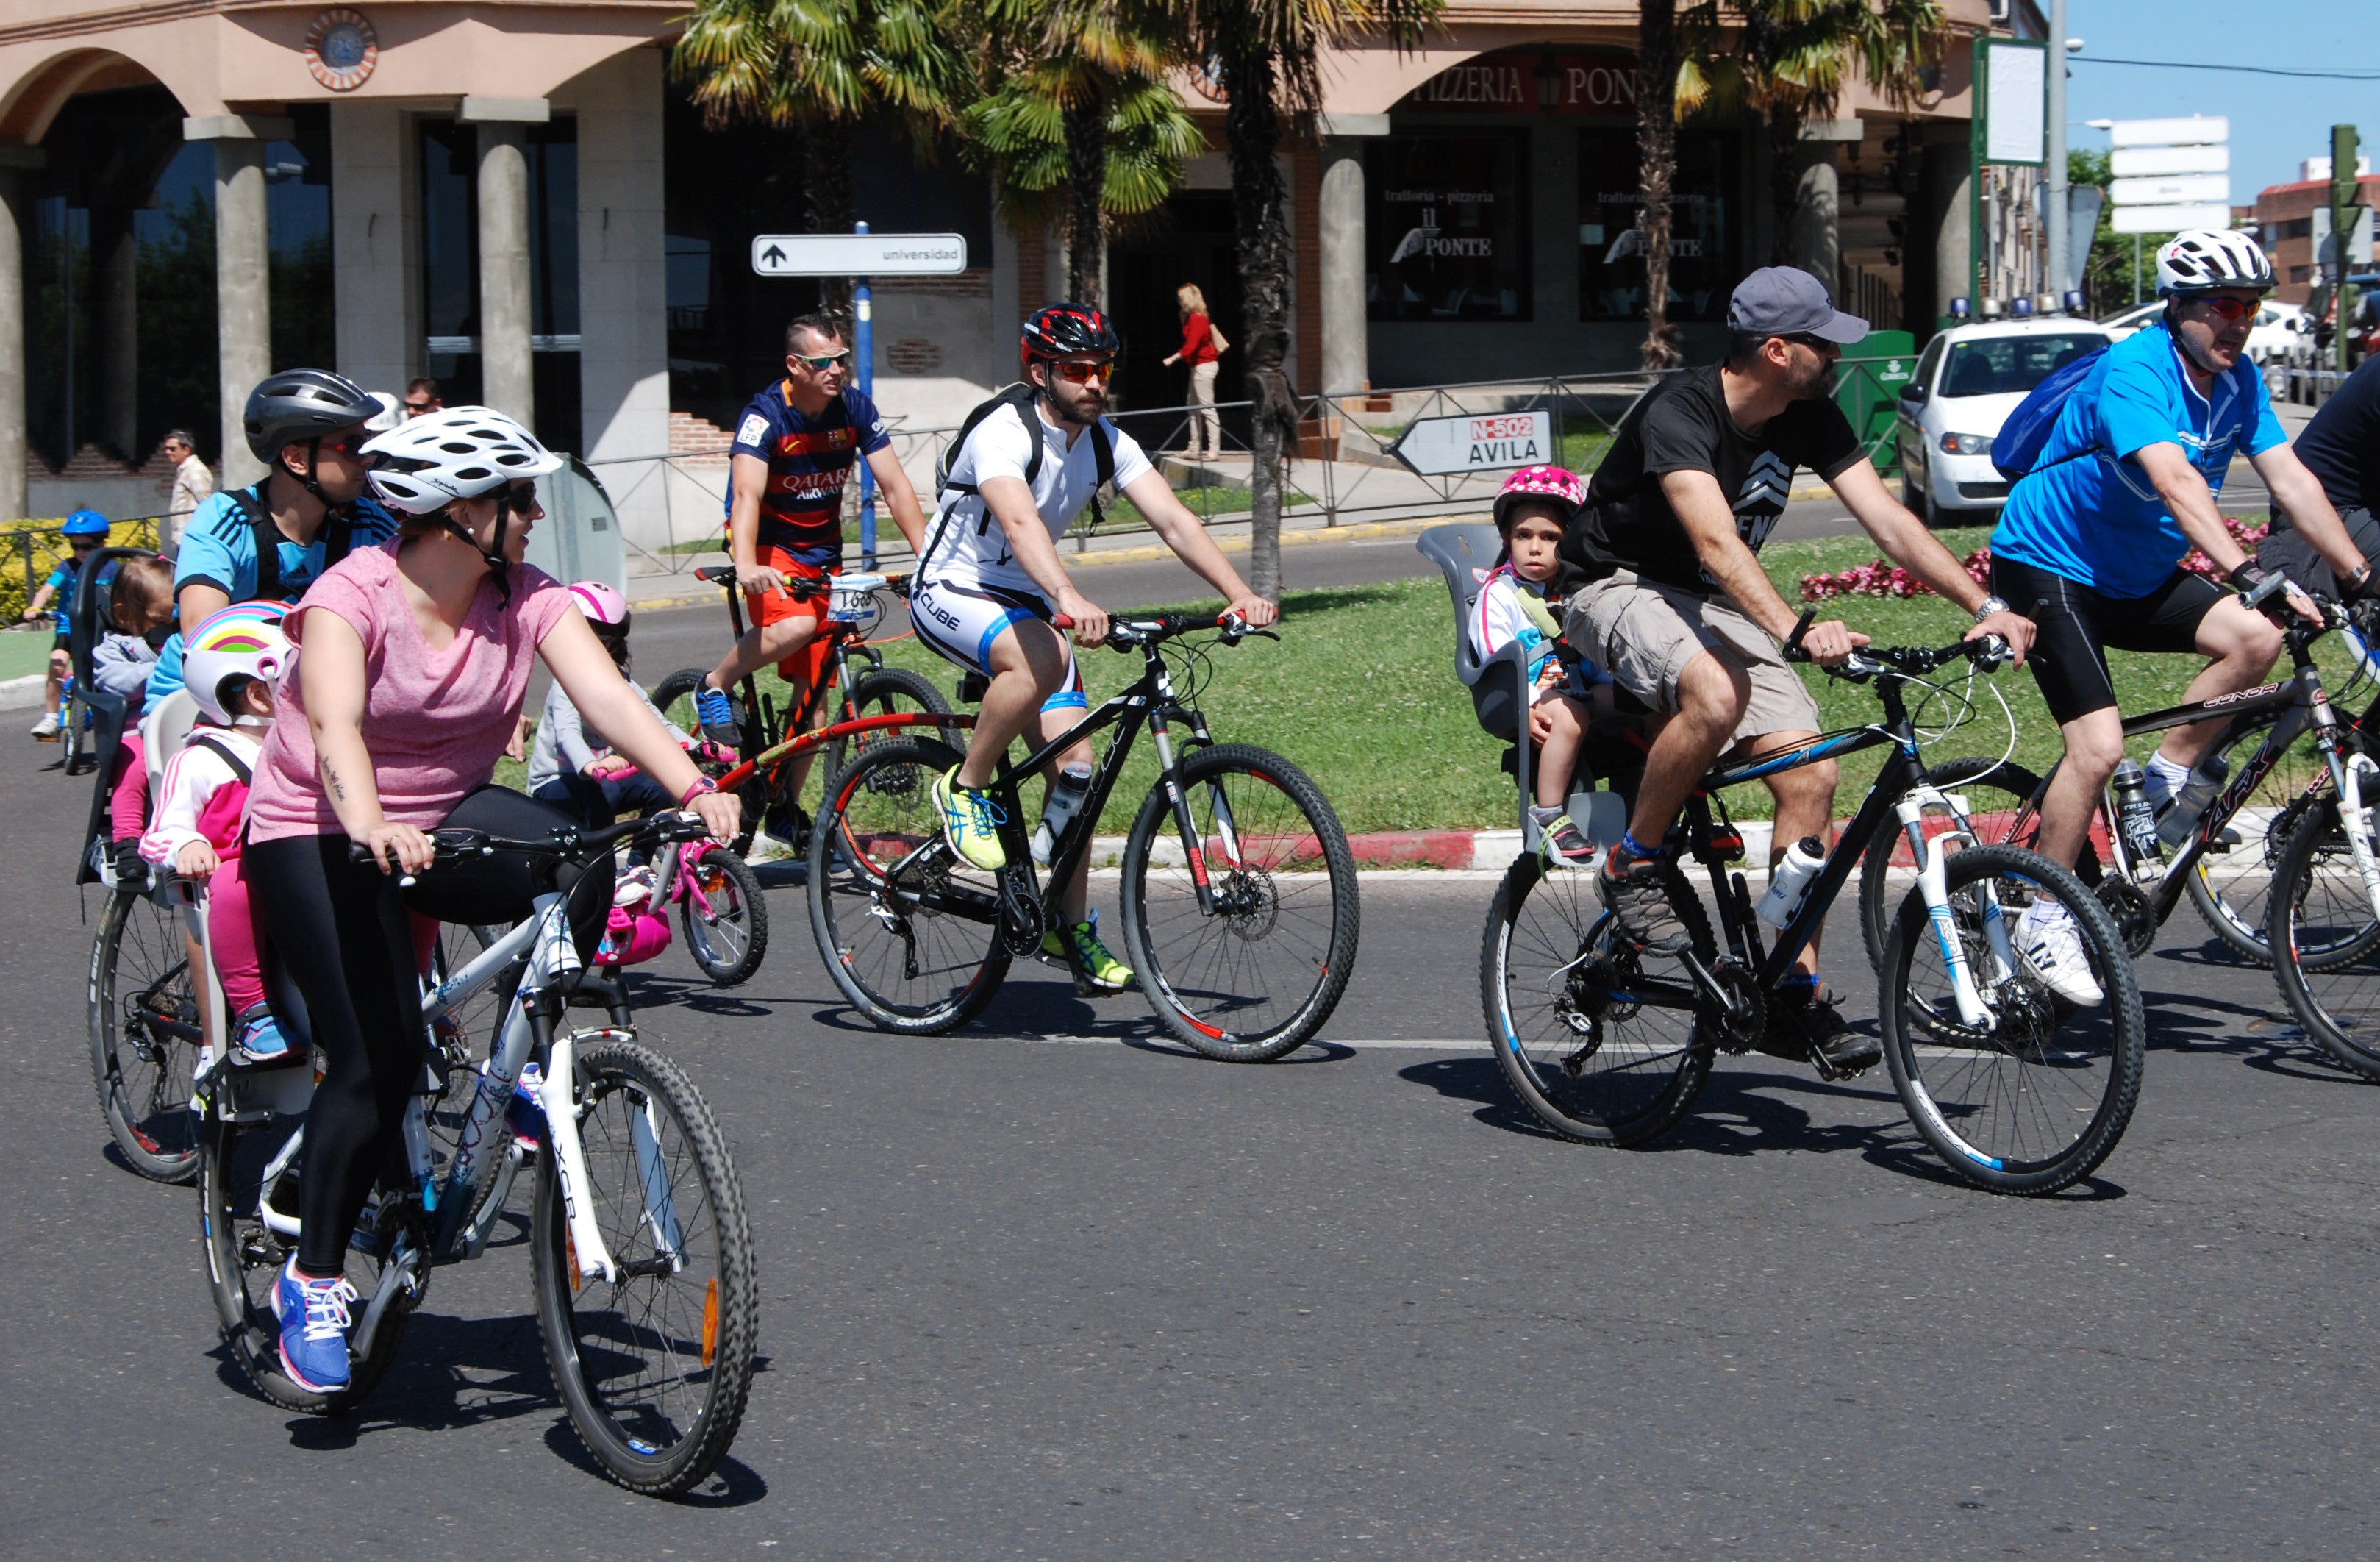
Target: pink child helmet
x,y
602,604
1558,484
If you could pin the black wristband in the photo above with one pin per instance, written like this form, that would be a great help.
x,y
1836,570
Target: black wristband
x,y
2248,577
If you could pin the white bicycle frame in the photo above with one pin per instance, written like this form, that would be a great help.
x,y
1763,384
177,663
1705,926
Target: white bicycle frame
x,y
1933,883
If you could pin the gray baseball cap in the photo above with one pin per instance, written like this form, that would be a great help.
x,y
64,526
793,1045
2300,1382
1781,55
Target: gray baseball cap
x,y
1789,302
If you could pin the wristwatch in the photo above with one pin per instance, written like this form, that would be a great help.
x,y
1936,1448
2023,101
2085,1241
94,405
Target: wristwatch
x,y
1989,606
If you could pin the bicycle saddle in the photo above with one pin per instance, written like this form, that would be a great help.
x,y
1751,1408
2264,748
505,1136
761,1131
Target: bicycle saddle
x,y
717,574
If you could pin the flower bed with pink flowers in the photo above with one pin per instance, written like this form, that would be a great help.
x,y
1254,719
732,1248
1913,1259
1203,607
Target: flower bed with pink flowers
x,y
1886,578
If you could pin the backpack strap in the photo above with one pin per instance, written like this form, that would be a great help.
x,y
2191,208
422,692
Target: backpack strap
x,y
222,752
250,501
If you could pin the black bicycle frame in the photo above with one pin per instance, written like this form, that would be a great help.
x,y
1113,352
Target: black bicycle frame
x,y
765,733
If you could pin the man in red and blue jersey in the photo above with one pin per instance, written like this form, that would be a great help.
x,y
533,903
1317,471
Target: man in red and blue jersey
x,y
794,448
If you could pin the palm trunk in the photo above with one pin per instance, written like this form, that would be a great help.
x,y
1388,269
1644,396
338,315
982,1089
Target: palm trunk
x,y
1784,124
826,168
1086,167
1656,150
1261,214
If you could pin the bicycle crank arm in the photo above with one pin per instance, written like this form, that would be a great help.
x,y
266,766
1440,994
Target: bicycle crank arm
x,y
400,1273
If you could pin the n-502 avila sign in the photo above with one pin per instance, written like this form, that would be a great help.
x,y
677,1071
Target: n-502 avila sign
x,y
1485,442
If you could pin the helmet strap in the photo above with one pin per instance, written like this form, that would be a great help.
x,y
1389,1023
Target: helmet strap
x,y
499,566
314,459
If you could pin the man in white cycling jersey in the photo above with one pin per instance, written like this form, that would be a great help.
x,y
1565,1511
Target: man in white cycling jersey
x,y
989,582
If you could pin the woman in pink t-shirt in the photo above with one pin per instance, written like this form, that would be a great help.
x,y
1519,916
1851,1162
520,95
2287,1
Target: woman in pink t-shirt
x,y
415,659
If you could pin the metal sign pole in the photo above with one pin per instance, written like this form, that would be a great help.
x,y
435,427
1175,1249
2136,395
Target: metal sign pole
x,y
863,350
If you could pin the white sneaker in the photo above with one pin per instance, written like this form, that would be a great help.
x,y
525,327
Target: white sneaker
x,y
2053,952
47,728
767,848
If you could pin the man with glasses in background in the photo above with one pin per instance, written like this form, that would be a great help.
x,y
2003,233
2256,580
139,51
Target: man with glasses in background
x,y
989,581
794,448
1667,593
2092,539
421,398
272,540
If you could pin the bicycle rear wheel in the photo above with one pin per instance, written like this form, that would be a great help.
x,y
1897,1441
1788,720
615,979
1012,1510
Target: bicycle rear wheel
x,y
727,934
1255,976
145,1035
654,1366
1554,983
2034,1097
2326,940
908,930
245,1254
2232,883
674,696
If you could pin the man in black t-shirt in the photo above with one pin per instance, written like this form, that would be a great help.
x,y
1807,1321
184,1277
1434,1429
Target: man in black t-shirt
x,y
2341,448
1665,593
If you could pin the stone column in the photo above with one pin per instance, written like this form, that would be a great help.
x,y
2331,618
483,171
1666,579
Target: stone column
x,y
1346,329
375,245
115,259
243,273
624,293
1949,191
12,331
1816,243
507,380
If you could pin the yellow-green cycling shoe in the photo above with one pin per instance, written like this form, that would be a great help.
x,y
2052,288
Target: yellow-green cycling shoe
x,y
970,823
1102,969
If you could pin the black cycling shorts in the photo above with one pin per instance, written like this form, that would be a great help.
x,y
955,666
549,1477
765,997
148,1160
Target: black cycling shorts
x,y
2076,626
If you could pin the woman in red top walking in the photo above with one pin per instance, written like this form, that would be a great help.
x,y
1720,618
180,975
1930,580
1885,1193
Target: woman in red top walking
x,y
1198,350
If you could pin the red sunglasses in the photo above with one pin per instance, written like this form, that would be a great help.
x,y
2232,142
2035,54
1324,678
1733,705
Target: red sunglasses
x,y
1084,373
2227,309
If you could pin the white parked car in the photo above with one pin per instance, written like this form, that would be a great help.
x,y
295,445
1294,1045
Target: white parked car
x,y
1968,380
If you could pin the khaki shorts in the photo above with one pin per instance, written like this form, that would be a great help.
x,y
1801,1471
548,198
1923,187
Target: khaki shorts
x,y
1644,633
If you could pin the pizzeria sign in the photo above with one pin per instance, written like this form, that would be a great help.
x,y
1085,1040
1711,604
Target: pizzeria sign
x,y
1485,442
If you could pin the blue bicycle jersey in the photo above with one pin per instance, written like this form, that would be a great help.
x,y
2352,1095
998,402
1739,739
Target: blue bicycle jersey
x,y
219,550
809,459
2088,510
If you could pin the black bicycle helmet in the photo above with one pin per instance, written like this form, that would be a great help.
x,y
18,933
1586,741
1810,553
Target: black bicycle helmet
x,y
1066,330
302,404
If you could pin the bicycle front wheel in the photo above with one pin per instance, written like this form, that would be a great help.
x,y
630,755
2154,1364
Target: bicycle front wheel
x,y
725,916
2031,1094
2233,879
2325,936
1251,972
654,1364
908,929
1565,1015
145,1035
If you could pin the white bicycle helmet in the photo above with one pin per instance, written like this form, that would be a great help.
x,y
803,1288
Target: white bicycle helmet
x,y
461,453
242,642
2206,260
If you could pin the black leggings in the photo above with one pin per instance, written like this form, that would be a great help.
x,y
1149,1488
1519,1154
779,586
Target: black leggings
x,y
340,931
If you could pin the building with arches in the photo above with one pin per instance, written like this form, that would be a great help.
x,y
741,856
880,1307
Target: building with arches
x,y
513,197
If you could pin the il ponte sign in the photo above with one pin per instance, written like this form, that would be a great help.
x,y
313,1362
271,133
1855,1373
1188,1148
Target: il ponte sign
x,y
1598,83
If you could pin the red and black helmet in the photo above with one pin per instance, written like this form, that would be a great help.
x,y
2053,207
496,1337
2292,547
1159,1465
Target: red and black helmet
x,y
1066,331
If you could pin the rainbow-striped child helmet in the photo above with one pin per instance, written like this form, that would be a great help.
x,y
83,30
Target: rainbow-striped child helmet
x,y
243,640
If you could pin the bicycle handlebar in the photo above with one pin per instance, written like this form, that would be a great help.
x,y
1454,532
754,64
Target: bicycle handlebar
x,y
1869,661
453,845
800,588
1124,634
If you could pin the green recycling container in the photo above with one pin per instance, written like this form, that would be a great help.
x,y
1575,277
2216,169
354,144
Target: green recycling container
x,y
1867,387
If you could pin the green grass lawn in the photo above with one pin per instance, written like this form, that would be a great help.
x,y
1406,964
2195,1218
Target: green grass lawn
x,y
1360,691
24,650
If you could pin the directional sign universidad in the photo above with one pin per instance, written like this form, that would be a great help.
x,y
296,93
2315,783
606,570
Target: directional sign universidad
x,y
1490,442
859,254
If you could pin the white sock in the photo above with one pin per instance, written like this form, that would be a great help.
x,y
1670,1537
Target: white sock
x,y
2165,779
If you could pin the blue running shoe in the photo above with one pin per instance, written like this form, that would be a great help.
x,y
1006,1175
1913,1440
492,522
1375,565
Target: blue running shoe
x,y
314,1323
260,1040
715,713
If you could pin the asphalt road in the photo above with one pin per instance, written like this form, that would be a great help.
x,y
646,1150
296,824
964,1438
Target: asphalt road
x,y
1050,1287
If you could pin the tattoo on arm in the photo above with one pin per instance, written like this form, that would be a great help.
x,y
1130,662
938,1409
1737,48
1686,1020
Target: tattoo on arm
x,y
330,779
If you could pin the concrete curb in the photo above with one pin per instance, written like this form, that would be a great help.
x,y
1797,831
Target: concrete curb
x,y
1457,851
22,693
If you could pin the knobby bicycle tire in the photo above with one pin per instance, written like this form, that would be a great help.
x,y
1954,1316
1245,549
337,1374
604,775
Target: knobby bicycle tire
x,y
702,1330
2225,888
1547,967
914,972
722,873
2044,1063
2336,994
890,692
1199,969
140,987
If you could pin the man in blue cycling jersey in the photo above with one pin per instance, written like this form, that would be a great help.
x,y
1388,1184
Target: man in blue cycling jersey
x,y
2091,543
307,425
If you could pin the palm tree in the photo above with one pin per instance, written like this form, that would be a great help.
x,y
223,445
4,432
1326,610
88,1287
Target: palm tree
x,y
817,67
1264,54
1789,62
1657,150
1078,107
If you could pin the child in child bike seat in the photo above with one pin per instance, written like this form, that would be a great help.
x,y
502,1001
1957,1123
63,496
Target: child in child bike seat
x,y
230,665
572,765
1566,691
